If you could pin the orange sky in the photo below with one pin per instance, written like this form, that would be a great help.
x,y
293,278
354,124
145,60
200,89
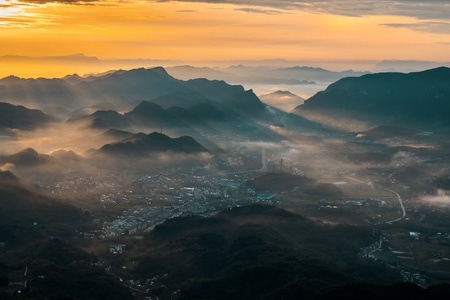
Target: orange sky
x,y
196,31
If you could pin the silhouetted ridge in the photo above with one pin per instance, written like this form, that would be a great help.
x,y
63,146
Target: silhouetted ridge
x,y
142,144
20,117
122,89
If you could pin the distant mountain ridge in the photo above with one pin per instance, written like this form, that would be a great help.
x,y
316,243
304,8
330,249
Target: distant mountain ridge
x,y
422,97
297,75
406,65
123,89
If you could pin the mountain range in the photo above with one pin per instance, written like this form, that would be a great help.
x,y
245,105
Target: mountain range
x,y
406,65
262,75
153,100
248,119
122,89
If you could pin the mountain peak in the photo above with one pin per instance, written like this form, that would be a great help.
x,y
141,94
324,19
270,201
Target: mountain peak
x,y
160,70
156,136
11,79
146,107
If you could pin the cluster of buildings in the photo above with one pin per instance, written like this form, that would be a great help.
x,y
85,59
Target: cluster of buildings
x,y
149,200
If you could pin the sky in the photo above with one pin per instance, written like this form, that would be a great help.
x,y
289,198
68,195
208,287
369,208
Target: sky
x,y
197,30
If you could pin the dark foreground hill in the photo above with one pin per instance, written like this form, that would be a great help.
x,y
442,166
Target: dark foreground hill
x,y
27,216
54,269
387,98
35,262
259,252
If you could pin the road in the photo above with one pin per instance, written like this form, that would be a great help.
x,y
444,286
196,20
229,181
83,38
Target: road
x,y
393,192
401,205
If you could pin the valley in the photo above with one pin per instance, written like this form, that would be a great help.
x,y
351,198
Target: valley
x,y
179,189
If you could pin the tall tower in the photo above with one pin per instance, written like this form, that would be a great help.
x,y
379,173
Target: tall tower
x,y
263,159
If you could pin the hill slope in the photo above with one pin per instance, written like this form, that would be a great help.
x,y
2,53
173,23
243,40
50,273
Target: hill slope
x,y
256,252
26,216
395,98
20,117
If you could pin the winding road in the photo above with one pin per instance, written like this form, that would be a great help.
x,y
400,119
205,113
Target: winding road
x,y
401,205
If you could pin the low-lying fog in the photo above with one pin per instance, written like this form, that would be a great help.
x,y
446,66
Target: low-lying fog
x,y
338,158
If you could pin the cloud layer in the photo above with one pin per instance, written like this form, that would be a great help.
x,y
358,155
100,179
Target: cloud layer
x,y
434,14
59,1
433,9
421,9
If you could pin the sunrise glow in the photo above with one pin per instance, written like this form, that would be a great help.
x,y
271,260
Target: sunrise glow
x,y
197,31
